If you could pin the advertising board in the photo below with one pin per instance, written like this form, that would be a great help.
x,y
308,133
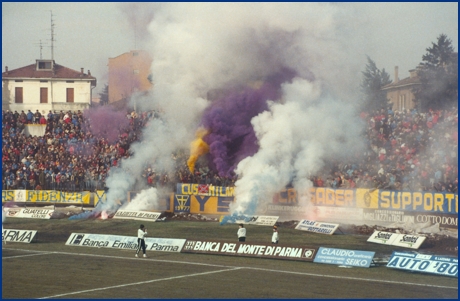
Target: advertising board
x,y
317,227
124,242
29,213
25,236
249,249
137,215
425,263
362,259
397,239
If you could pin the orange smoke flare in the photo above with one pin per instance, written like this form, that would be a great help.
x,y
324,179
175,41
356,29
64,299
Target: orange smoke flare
x,y
197,148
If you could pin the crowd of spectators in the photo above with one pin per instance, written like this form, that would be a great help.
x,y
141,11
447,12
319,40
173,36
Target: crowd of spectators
x,y
406,150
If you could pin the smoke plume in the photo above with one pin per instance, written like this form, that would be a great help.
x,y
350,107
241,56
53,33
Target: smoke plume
x,y
286,75
197,148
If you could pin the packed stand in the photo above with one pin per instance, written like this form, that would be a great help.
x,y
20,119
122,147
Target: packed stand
x,y
405,151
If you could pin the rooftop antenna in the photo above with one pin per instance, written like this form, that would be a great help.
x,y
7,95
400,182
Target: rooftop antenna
x,y
52,36
41,48
135,34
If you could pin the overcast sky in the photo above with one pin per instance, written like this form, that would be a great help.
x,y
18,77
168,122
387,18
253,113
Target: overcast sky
x,y
88,34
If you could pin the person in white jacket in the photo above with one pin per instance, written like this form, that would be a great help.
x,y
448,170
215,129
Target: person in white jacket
x,y
241,233
275,236
140,240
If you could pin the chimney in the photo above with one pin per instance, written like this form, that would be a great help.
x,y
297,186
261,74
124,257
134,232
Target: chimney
x,y
6,69
89,73
82,70
396,75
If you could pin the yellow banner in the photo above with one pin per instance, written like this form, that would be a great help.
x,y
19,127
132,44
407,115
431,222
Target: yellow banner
x,y
209,204
7,196
367,198
51,196
48,196
332,197
99,195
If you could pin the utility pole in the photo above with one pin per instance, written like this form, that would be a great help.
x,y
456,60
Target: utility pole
x,y
41,48
52,36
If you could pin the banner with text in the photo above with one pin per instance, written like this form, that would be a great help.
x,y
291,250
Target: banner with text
x,y
362,259
249,249
29,213
260,220
203,189
434,264
46,196
124,242
25,236
200,204
317,227
395,239
137,215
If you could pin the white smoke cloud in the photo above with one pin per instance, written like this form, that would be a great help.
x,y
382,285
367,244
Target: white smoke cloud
x,y
146,200
198,47
296,139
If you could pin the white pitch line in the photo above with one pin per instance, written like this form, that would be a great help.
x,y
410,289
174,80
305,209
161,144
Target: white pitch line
x,y
250,268
137,283
354,278
9,257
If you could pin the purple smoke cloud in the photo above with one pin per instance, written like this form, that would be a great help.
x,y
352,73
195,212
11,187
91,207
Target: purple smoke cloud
x,y
231,137
106,122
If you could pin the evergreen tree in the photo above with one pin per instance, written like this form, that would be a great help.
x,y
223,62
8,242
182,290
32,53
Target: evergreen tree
x,y
438,76
371,86
104,95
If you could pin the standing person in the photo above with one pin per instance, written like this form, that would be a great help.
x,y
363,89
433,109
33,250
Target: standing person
x,y
275,236
140,240
241,233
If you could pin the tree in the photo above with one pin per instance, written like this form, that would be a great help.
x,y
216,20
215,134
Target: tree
x,y
371,85
104,95
438,76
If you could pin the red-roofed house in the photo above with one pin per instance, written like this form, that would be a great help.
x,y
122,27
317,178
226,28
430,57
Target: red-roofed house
x,y
400,92
46,86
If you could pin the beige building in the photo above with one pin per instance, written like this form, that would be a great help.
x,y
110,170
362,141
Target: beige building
x,y
400,92
46,86
129,73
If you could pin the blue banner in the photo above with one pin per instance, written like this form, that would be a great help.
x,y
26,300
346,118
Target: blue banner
x,y
425,263
362,259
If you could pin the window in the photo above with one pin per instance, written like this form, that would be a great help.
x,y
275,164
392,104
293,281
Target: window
x,y
70,95
44,65
43,95
69,81
43,81
18,95
18,80
402,102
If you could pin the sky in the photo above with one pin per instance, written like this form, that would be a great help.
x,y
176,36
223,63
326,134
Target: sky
x,y
88,34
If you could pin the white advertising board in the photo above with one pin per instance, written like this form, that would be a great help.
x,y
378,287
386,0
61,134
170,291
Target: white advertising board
x,y
29,213
409,241
381,237
124,242
260,220
137,215
317,227
395,239
25,236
